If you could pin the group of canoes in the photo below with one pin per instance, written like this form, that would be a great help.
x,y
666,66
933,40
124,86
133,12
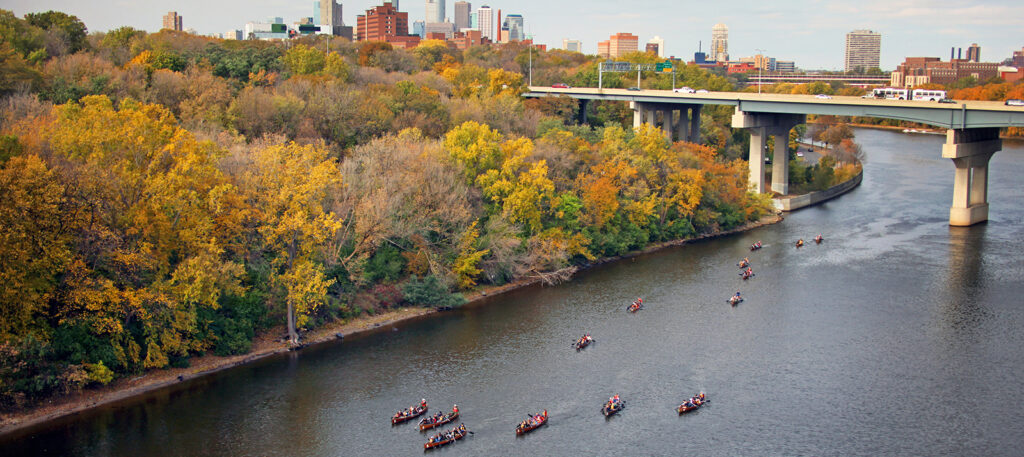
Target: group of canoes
x,y
817,240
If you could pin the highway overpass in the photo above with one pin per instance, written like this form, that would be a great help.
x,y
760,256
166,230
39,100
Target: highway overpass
x,y
972,129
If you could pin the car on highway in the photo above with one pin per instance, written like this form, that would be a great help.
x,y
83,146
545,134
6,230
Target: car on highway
x,y
633,88
1014,102
561,86
947,100
823,96
701,91
684,90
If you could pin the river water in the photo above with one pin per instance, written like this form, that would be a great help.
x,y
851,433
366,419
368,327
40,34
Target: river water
x,y
898,335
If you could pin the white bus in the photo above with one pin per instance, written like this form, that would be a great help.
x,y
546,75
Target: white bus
x,y
929,95
890,93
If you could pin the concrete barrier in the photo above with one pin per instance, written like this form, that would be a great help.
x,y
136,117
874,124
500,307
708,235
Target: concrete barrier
x,y
813,198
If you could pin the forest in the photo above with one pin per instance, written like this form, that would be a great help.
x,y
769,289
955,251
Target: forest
x,y
167,195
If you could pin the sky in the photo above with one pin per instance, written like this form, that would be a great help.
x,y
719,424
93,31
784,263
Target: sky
x,y
810,32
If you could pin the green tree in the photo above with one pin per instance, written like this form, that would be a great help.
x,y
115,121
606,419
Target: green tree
x,y
69,28
304,60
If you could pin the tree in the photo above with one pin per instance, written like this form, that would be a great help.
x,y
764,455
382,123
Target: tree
x,y
304,60
69,29
289,187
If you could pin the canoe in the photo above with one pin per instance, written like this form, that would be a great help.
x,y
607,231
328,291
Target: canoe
x,y
635,307
610,409
532,424
586,342
398,419
426,425
689,405
734,302
746,277
442,439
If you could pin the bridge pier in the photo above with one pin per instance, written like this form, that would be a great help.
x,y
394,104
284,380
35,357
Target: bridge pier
x,y
676,127
695,124
583,111
970,150
761,125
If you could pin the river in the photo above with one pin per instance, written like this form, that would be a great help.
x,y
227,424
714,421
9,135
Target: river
x,y
899,335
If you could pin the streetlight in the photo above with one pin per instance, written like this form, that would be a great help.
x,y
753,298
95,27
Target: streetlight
x,y
760,52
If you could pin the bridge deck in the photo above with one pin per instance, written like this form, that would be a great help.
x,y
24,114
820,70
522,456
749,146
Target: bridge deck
x,y
963,114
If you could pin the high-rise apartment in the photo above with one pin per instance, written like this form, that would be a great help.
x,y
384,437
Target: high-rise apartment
x,y
659,46
172,21
381,22
572,45
485,22
863,50
435,11
617,45
720,43
462,15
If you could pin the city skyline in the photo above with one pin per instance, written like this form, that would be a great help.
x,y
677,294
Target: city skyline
x,y
909,27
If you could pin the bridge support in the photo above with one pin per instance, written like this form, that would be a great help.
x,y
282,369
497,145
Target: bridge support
x,y
676,127
694,124
583,111
761,125
970,150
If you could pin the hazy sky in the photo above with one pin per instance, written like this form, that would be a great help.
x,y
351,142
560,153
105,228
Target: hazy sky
x,y
810,32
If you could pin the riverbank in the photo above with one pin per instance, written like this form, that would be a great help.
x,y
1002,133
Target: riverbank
x,y
266,345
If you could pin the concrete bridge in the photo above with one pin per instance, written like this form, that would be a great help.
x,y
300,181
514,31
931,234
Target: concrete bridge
x,y
972,135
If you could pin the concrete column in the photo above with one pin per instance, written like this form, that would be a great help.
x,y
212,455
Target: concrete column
x,y
757,143
683,125
780,164
583,112
638,114
970,150
666,122
652,114
695,124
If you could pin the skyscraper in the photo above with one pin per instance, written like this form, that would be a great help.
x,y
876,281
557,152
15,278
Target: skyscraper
x,y
863,48
435,11
572,45
330,15
172,21
720,43
659,43
485,21
514,25
974,53
462,15
381,23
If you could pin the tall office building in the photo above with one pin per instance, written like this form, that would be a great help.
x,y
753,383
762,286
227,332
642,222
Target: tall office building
x,y
485,22
659,45
435,11
462,15
617,45
572,45
720,43
863,49
514,25
330,15
172,21
974,53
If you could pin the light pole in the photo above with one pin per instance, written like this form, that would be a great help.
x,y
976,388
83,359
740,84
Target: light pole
x,y
760,52
531,61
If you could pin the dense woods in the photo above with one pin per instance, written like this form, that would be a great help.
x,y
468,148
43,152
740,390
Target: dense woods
x,y
167,195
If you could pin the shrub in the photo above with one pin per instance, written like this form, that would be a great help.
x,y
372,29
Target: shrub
x,y
431,292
